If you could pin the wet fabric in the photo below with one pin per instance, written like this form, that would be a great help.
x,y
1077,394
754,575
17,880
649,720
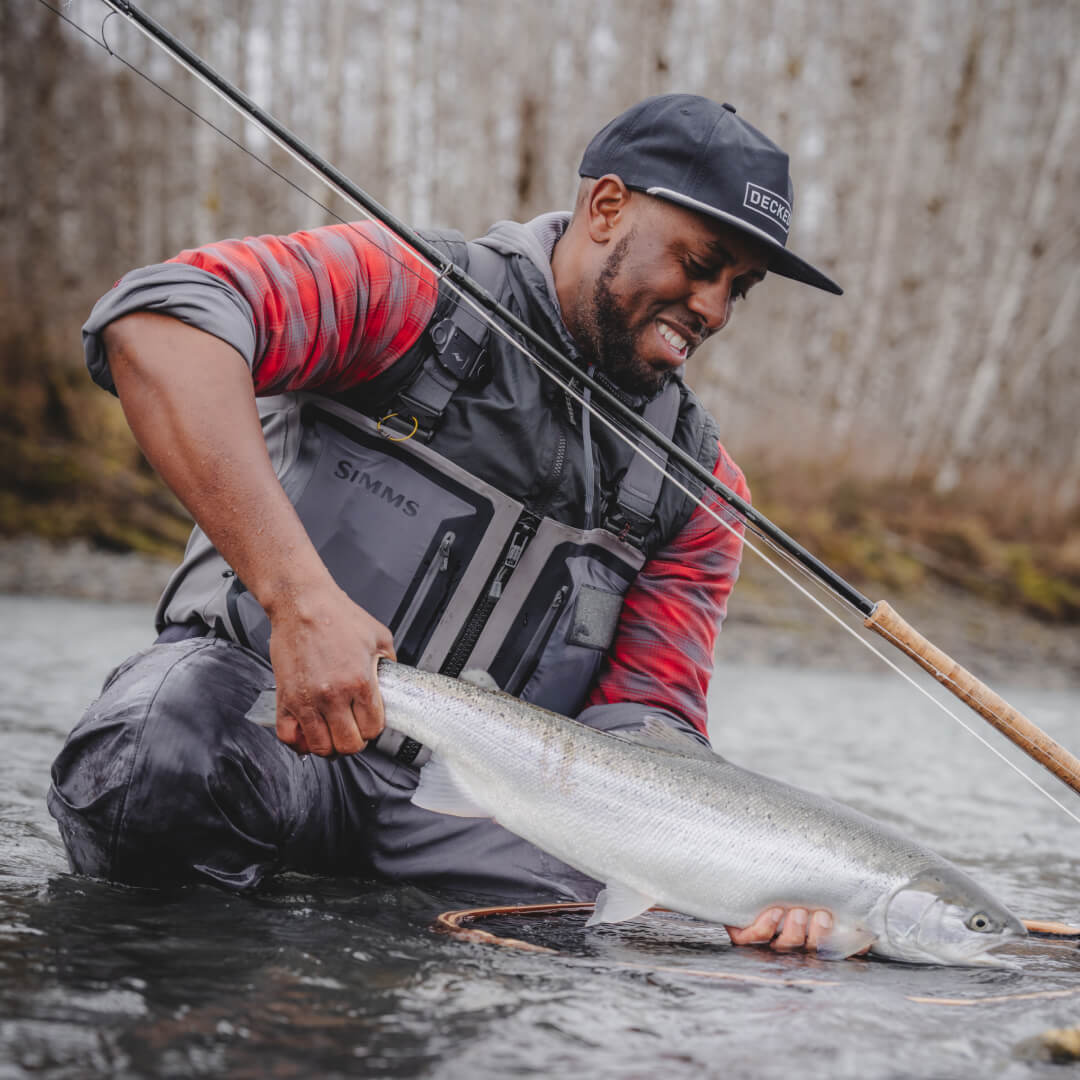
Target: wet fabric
x,y
165,780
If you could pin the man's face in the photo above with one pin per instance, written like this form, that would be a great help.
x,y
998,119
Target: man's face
x,y
669,281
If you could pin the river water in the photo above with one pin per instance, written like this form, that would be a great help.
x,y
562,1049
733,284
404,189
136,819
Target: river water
x,y
328,978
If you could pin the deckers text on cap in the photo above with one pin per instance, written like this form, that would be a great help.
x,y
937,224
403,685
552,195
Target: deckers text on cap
x,y
694,152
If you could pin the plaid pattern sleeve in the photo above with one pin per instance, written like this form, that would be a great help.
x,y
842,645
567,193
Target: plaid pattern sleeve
x,y
662,656
333,307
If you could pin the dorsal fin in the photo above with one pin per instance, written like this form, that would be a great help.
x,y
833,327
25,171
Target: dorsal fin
x,y
479,677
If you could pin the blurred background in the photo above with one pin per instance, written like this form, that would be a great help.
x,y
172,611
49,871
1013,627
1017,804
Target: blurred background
x,y
921,427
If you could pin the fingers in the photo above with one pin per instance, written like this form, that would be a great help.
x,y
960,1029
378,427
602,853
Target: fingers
x,y
333,726
367,704
291,733
821,924
332,729
785,931
384,646
325,659
792,933
761,931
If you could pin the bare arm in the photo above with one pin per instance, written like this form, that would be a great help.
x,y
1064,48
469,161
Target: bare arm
x,y
189,400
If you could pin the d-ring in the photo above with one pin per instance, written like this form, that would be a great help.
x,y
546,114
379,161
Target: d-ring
x,y
398,438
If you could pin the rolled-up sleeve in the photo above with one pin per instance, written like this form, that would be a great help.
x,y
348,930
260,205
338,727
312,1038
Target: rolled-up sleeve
x,y
328,308
662,656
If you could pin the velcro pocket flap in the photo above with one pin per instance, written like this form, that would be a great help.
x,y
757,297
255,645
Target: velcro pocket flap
x,y
596,616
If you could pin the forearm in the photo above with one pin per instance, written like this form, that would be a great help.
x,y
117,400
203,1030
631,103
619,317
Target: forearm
x,y
189,400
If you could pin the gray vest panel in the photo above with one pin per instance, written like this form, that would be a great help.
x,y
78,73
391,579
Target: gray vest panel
x,y
458,538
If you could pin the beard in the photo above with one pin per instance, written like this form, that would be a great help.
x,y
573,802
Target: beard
x,y
606,337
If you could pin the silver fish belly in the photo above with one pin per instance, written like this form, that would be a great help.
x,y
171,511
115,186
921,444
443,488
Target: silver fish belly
x,y
660,819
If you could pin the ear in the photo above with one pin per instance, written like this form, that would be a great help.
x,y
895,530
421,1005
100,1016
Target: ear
x,y
607,208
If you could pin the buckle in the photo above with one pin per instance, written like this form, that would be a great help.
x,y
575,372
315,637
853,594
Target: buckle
x,y
457,352
629,528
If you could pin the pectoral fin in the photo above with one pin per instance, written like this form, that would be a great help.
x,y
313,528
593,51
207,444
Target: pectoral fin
x,y
441,791
617,903
845,941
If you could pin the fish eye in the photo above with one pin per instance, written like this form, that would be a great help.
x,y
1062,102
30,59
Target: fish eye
x,y
980,922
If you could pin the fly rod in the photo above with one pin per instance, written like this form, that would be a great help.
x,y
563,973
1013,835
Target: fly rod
x,y
879,617
449,270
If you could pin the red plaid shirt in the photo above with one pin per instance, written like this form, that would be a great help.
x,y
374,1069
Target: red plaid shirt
x,y
336,306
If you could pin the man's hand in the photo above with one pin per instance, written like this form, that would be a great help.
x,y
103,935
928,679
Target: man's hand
x,y
190,401
325,652
785,930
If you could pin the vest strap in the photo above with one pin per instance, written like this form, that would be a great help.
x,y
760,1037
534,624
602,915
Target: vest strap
x,y
634,508
458,351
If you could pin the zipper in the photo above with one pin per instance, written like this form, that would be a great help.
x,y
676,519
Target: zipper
x,y
518,542
524,530
552,482
531,657
438,566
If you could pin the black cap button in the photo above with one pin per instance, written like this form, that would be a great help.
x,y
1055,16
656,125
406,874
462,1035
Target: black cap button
x,y
730,108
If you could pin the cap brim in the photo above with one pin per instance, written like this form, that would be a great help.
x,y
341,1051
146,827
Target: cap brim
x,y
781,261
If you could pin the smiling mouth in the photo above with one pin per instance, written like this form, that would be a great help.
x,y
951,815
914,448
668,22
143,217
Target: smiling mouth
x,y
675,342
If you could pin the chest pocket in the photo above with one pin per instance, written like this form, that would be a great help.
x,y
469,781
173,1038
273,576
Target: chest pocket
x,y
557,618
405,533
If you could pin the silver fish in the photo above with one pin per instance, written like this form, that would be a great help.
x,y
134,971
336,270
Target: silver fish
x,y
662,820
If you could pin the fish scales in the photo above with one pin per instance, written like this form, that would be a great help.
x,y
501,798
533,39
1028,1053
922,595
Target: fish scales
x,y
678,826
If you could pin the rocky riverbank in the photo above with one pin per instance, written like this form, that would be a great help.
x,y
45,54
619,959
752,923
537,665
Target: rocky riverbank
x,y
31,565
769,621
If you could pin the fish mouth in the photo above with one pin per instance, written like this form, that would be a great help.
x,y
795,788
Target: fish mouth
x,y
986,956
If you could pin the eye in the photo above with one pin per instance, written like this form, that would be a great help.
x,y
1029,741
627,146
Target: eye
x,y
980,921
742,285
697,269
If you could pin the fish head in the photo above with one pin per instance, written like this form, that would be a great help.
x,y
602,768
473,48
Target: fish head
x,y
943,917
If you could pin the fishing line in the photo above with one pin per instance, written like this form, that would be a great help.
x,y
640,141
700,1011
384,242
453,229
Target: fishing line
x,y
101,43
720,519
440,273
666,468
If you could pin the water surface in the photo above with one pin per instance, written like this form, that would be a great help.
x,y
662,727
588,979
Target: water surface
x,y
345,978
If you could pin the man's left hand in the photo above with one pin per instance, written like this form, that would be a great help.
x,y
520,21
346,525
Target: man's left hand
x,y
785,931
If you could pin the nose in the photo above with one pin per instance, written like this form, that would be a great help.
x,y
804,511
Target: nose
x,y
711,301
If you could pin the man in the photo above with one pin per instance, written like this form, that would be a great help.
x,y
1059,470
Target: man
x,y
409,485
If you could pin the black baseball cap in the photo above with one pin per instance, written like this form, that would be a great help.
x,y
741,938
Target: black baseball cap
x,y
694,152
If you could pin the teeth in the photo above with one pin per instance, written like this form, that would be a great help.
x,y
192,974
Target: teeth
x,y
675,340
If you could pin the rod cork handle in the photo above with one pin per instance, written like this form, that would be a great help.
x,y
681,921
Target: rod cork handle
x,y
990,706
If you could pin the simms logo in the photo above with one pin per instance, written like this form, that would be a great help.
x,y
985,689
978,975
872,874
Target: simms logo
x,y
768,203
347,471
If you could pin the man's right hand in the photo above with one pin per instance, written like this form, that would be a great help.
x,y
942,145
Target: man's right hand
x,y
325,652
